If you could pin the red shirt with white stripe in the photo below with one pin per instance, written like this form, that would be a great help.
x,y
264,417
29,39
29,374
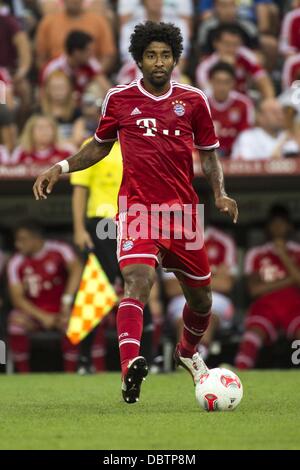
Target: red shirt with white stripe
x,y
80,76
221,250
289,41
43,275
246,68
265,262
291,71
230,118
49,156
157,136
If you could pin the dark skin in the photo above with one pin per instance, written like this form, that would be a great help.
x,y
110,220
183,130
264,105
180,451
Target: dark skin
x,y
157,65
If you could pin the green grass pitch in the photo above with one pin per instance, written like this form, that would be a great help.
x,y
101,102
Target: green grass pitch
x,y
44,411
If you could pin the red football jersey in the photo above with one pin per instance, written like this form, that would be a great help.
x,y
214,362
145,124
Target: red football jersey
x,y
291,71
264,261
230,118
48,156
80,77
157,135
43,275
246,68
221,250
289,41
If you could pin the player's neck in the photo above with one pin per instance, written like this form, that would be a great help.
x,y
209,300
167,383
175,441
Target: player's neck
x,y
154,90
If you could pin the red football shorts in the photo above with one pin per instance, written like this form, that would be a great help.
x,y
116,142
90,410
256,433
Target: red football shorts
x,y
152,239
276,311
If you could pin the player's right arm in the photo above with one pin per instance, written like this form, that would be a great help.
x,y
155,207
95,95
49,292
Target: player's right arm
x,y
21,303
90,154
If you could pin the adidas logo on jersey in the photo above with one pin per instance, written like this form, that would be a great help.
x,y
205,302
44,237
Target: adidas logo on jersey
x,y
135,111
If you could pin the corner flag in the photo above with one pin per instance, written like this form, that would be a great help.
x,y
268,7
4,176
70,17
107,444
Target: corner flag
x,y
95,299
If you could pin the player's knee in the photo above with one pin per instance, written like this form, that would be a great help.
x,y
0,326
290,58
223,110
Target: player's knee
x,y
138,283
202,302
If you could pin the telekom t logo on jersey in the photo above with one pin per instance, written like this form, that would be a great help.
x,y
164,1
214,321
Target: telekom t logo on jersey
x,y
149,124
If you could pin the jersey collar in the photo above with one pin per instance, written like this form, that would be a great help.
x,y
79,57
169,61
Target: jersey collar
x,y
153,97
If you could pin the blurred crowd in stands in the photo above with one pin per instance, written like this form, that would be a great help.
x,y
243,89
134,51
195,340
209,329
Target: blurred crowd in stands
x,y
58,58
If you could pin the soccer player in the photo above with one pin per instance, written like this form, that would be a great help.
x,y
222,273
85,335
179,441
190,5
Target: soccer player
x,y
273,272
158,122
43,277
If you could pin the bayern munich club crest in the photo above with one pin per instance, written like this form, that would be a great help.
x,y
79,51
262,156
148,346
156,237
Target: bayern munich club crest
x,y
178,107
127,245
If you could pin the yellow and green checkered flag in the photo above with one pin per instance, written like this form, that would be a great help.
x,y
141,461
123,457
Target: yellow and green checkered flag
x,y
95,299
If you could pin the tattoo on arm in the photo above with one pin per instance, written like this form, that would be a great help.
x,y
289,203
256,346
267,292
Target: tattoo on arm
x,y
90,154
213,172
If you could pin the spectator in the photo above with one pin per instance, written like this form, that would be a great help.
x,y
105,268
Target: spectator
x,y
78,63
39,143
6,89
259,12
261,142
43,277
289,42
85,125
232,112
8,131
224,12
54,28
291,70
15,57
290,142
273,272
229,48
221,253
58,101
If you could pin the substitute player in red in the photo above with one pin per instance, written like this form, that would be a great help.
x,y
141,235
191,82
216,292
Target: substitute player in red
x,y
273,272
158,122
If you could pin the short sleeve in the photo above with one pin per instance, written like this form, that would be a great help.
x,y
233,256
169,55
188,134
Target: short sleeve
x,y
203,128
250,265
13,267
108,126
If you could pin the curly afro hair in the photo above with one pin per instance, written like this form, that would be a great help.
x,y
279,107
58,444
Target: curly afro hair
x,y
145,33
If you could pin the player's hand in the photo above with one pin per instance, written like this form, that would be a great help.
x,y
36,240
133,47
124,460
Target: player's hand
x,y
48,321
64,317
45,182
83,239
226,204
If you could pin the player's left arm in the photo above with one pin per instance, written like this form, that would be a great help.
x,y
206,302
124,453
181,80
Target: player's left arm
x,y
213,172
